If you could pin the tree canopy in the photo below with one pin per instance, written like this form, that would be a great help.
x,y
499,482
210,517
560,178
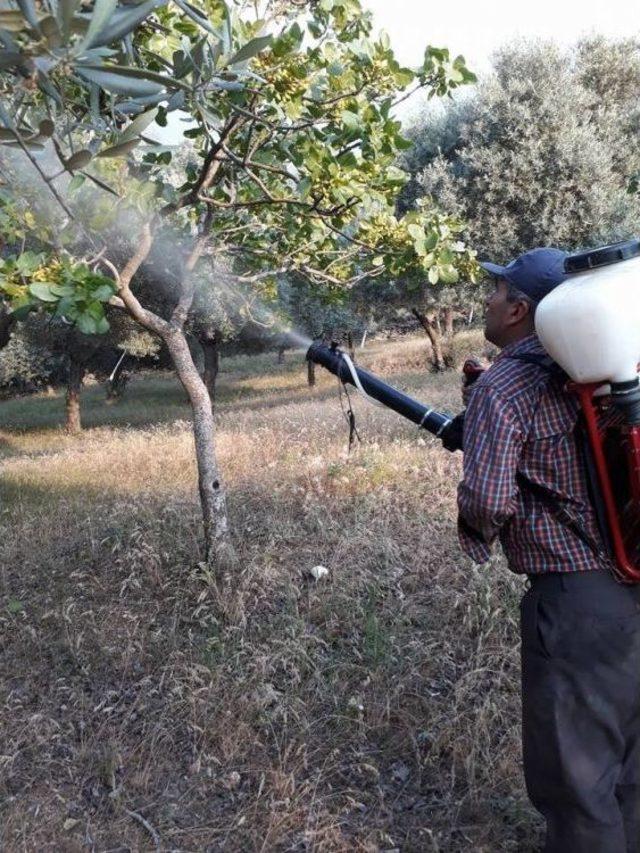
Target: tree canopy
x,y
544,151
289,107
290,112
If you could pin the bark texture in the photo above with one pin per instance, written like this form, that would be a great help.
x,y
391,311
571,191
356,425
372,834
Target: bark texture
x,y
6,326
311,373
73,422
212,495
449,315
431,327
210,343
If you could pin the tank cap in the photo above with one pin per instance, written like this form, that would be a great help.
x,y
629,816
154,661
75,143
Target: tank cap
x,y
583,261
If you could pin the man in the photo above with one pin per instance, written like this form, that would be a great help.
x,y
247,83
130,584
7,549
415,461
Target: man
x,y
525,485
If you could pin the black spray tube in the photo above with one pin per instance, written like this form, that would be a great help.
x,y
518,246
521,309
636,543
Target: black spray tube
x,y
335,361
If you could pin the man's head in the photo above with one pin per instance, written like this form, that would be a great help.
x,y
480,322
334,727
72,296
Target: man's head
x,y
520,286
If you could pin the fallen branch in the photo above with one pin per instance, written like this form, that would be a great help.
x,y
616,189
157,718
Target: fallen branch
x,y
145,823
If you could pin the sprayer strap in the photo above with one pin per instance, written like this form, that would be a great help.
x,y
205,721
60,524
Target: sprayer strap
x,y
563,513
357,383
543,361
114,371
349,416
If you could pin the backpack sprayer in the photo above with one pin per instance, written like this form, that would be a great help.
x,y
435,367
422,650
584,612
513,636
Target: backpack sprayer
x,y
590,326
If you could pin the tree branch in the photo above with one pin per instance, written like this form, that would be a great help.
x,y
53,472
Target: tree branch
x,y
146,318
209,170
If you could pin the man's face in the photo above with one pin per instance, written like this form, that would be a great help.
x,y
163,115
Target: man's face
x,y
497,311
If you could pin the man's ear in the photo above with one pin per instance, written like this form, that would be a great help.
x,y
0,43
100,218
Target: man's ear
x,y
520,309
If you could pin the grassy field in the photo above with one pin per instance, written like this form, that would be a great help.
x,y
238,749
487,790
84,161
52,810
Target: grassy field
x,y
376,709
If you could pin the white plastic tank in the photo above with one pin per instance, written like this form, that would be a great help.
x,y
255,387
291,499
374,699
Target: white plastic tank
x,y
590,324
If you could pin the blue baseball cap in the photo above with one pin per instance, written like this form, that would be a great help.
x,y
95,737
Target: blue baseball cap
x,y
535,273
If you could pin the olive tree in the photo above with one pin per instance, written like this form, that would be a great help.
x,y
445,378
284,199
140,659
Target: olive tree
x,y
543,152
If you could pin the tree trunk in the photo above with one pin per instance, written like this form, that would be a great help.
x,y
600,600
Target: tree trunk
x,y
311,373
448,321
218,549
6,325
281,350
350,347
74,384
210,343
434,336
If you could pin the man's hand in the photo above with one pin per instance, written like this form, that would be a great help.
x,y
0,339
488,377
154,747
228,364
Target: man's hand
x,y
471,370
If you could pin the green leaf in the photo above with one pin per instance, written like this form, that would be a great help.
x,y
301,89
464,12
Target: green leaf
x,y
350,120
79,160
14,606
42,291
23,311
103,293
403,144
95,310
66,11
251,49
119,150
11,21
46,128
139,123
28,9
67,308
102,12
119,71
51,32
9,59
124,21
432,240
118,83
86,324
396,175
433,275
415,231
196,16
102,326
227,31
75,183
29,144
62,289
441,54
448,274
28,262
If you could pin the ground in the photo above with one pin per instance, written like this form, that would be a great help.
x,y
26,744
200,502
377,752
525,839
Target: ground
x,y
141,708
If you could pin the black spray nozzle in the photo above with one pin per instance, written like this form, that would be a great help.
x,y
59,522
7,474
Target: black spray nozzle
x,y
341,366
329,356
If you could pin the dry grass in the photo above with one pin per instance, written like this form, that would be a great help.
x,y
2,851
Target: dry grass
x,y
376,709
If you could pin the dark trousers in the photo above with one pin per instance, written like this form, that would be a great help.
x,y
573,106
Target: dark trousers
x,y
581,710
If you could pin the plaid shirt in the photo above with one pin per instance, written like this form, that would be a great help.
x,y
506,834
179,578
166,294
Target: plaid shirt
x,y
520,421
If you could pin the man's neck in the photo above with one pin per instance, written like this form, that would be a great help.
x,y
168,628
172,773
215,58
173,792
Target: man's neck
x,y
517,335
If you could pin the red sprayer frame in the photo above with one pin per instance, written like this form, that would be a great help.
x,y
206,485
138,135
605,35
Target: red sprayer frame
x,y
616,453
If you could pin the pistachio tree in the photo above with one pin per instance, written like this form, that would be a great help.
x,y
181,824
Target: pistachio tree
x,y
290,114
